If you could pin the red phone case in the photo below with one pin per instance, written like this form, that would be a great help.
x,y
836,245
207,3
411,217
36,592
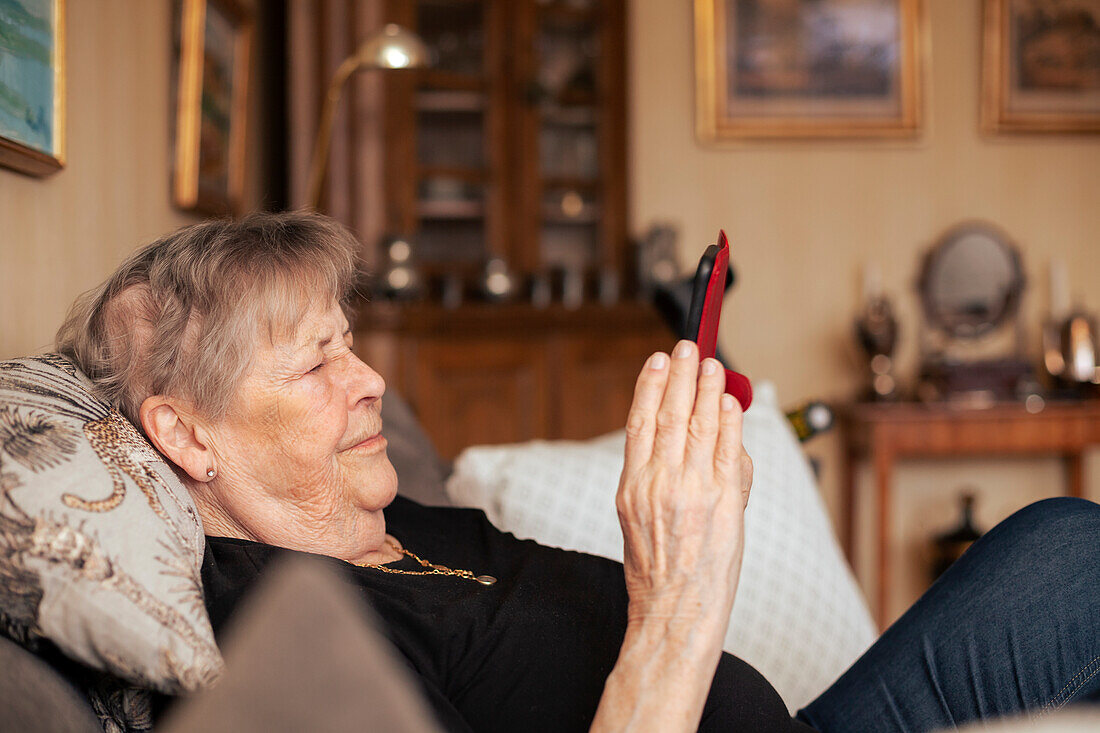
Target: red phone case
x,y
737,384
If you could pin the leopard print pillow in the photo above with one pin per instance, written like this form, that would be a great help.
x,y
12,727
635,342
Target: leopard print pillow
x,y
100,544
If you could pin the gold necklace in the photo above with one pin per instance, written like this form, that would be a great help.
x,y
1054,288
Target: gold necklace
x,y
433,569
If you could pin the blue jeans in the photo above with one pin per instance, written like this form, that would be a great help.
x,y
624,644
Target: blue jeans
x,y
1014,625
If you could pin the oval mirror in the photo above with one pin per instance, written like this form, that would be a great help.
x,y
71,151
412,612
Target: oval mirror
x,y
971,281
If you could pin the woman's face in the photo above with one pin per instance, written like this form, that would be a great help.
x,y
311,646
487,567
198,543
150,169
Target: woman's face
x,y
300,455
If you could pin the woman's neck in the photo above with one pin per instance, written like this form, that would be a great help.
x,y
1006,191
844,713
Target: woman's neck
x,y
289,533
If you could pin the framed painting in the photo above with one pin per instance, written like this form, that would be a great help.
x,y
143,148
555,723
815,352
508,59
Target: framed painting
x,y
1041,66
211,59
807,68
32,85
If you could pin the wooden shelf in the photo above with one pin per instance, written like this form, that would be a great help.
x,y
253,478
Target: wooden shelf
x,y
435,79
510,318
575,98
558,15
563,220
573,116
553,215
456,172
448,100
450,209
578,182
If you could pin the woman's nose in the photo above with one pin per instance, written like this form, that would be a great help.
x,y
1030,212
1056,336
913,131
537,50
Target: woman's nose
x,y
363,382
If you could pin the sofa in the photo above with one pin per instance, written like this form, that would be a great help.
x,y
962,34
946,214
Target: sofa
x,y
102,624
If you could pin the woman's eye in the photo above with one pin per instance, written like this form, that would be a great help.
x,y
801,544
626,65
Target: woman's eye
x,y
318,367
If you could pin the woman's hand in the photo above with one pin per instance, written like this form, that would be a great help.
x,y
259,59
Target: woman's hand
x,y
683,490
681,503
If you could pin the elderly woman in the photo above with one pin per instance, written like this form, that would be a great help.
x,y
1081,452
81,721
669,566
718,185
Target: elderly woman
x,y
229,344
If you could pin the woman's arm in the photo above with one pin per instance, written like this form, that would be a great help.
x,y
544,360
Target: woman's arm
x,y
681,504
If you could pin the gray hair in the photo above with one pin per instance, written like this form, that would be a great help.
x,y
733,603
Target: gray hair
x,y
181,316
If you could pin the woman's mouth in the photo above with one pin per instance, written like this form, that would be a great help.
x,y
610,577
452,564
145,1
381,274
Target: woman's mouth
x,y
374,444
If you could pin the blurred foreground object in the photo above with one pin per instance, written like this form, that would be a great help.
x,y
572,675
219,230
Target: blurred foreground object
x,y
303,654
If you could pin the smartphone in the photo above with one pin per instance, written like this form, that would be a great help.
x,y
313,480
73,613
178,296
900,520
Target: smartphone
x,y
706,308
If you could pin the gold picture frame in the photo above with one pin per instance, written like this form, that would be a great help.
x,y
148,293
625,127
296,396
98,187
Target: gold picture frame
x,y
1040,68
793,70
214,39
32,108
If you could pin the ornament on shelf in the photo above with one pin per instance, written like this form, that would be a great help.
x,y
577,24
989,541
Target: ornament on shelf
x,y
877,333
1071,342
497,282
399,279
658,263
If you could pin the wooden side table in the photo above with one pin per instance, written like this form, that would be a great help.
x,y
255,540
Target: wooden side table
x,y
887,432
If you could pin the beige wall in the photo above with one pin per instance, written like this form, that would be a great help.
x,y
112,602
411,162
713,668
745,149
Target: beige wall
x,y
804,216
63,234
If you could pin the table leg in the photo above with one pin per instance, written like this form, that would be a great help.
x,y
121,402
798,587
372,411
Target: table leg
x,y
1075,474
884,463
848,508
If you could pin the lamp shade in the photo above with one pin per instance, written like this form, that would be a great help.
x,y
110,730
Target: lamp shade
x,y
393,47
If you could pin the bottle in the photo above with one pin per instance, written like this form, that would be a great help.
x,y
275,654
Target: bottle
x,y
950,545
812,418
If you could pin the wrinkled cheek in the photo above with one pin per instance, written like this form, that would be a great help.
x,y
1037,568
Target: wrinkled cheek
x,y
314,421
316,492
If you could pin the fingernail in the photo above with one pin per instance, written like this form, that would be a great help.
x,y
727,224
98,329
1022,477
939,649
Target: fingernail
x,y
683,350
658,360
709,366
727,402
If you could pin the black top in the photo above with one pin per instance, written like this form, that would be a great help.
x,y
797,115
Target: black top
x,y
529,653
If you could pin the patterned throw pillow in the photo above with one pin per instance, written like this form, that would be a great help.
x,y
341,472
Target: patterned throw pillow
x,y
100,543
799,618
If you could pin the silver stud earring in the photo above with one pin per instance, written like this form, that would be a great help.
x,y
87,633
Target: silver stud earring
x,y
211,473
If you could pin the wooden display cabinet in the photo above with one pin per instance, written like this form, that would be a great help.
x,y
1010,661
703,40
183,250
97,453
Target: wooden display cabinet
x,y
506,373
513,144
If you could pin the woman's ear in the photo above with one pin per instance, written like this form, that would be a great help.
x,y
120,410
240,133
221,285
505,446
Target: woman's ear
x,y
175,433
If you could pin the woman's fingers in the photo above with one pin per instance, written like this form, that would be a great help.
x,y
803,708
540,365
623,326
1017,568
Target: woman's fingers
x,y
702,430
746,476
641,422
728,451
676,406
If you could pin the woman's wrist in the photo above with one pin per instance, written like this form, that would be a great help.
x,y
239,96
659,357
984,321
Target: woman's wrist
x,y
662,676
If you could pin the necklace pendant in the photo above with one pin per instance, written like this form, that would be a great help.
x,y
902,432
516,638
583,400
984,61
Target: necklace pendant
x,y
485,579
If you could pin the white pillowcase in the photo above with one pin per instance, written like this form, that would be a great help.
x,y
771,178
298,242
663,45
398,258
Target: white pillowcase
x,y
799,617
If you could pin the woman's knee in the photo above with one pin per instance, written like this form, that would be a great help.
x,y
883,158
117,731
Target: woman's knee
x,y
1062,531
1056,516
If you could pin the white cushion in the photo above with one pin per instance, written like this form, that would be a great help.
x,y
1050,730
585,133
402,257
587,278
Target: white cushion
x,y
799,617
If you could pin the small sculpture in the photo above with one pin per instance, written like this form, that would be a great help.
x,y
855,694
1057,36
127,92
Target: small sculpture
x,y
877,333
